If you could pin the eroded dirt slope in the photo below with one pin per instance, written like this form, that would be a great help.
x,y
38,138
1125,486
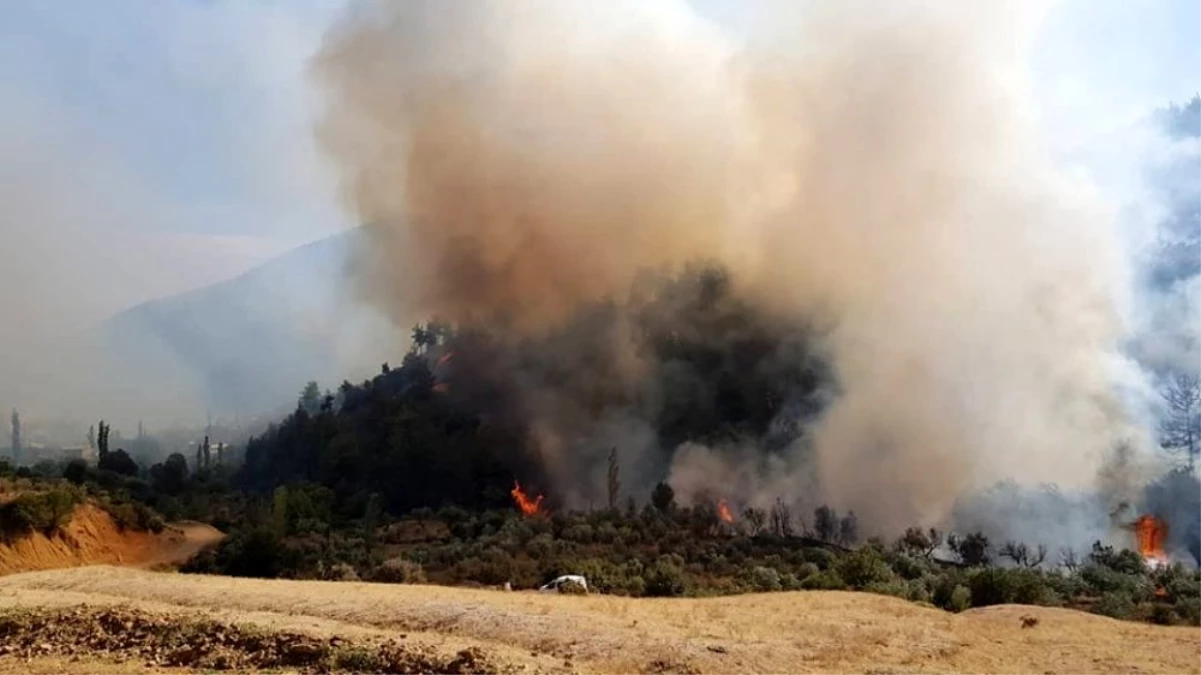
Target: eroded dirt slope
x,y
92,538
779,632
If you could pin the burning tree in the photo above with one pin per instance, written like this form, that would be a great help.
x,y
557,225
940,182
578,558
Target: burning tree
x,y
723,511
528,506
1151,533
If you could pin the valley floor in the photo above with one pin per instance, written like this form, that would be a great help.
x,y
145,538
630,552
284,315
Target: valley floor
x,y
801,632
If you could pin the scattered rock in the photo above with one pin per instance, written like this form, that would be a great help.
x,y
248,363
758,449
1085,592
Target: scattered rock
x,y
717,649
664,667
121,634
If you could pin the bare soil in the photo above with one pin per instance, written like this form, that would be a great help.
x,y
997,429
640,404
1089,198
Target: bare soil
x,y
91,537
804,632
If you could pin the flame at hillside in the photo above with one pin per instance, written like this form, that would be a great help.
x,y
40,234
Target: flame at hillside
x,y
1151,533
723,511
528,506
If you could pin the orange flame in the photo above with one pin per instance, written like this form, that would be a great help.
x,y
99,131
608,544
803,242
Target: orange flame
x,y
445,358
441,387
1151,533
723,511
528,506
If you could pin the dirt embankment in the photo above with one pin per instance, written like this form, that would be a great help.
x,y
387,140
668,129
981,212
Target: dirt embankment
x,y
91,537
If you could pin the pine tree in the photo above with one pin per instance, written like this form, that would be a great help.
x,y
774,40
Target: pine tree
x,y
207,455
102,439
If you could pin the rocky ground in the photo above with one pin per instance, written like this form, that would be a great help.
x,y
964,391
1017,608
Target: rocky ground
x,y
120,620
121,635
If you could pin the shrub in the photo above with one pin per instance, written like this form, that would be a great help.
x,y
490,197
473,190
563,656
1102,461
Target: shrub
x,y
764,579
358,660
76,471
1116,604
134,516
1125,561
821,557
665,580
917,591
1189,611
896,588
118,462
827,580
945,589
258,552
398,571
1162,614
1106,579
906,566
995,586
960,599
41,511
807,570
863,567
1179,583
340,572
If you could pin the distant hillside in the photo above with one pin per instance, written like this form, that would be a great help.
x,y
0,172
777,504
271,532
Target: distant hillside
x,y
247,345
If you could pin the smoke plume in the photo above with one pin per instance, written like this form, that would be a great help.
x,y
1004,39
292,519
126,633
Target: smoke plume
x,y
909,300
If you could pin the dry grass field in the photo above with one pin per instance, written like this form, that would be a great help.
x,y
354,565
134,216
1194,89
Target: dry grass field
x,y
770,633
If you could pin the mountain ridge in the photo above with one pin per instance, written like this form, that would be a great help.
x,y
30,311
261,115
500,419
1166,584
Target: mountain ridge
x,y
246,345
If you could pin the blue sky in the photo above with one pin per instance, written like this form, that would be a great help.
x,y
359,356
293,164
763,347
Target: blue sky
x,y
156,145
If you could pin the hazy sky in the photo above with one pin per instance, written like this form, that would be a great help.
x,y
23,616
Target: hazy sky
x,y
150,146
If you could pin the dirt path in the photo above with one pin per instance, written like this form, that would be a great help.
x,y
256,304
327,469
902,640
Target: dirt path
x,y
179,542
779,632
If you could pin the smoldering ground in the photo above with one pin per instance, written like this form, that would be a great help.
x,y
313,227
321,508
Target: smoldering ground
x,y
905,310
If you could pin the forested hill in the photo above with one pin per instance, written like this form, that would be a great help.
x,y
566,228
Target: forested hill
x,y
394,436
455,423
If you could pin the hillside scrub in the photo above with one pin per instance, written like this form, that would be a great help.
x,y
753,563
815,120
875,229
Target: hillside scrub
x,y
652,554
45,505
44,512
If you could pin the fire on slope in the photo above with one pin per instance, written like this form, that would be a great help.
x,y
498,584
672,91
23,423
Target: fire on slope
x,y
529,507
723,511
441,386
1151,533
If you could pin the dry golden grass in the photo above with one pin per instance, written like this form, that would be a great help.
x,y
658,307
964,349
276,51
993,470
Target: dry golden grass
x,y
779,632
